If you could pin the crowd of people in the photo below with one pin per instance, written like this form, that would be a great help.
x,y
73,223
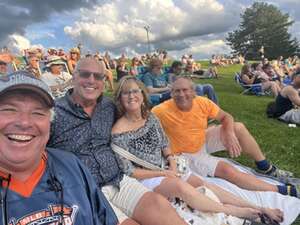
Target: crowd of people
x,y
279,78
225,60
83,158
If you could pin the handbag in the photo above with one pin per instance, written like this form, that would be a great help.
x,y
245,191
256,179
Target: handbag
x,y
182,163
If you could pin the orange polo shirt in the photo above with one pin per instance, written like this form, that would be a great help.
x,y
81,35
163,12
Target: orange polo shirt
x,y
186,130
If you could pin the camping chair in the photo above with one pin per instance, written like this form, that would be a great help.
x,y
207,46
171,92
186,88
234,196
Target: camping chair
x,y
249,88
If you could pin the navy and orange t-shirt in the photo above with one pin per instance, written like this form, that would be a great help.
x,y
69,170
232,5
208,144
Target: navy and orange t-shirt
x,y
25,188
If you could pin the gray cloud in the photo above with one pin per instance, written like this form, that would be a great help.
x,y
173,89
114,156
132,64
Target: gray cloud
x,y
16,15
118,26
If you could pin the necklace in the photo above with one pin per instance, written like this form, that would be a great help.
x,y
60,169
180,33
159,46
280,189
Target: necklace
x,y
133,120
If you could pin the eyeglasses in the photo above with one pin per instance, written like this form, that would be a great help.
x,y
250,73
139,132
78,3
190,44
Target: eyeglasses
x,y
87,74
131,91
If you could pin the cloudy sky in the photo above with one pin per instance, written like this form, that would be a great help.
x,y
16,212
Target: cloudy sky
x,y
197,27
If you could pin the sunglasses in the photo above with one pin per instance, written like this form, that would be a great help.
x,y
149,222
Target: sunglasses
x,y
86,74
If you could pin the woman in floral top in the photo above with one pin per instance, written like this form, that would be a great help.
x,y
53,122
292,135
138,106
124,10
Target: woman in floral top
x,y
139,132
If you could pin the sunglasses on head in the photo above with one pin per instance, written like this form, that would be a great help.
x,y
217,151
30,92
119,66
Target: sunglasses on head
x,y
87,74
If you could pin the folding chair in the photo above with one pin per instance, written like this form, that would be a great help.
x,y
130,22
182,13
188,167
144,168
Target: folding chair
x,y
249,88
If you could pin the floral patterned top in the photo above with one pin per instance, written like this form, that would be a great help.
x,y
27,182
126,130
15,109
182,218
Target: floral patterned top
x,y
146,143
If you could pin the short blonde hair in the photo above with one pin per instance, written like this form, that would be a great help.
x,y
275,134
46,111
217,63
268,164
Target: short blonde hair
x,y
155,62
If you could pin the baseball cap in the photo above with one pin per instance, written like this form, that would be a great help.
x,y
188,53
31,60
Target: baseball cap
x,y
23,80
3,62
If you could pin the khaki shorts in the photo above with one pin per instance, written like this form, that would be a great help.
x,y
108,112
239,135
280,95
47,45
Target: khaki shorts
x,y
124,199
202,162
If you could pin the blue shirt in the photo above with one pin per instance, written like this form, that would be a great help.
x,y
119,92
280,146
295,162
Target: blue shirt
x,y
155,81
82,201
87,137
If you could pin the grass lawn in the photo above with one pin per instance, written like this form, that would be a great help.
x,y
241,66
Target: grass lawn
x,y
280,143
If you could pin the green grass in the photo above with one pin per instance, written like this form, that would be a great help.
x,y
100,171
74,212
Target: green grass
x,y
280,143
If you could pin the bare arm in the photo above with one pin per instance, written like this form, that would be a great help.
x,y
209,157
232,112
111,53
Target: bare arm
x,y
293,95
172,163
141,174
153,90
228,136
247,80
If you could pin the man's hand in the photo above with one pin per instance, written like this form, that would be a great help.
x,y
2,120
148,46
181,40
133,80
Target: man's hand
x,y
232,144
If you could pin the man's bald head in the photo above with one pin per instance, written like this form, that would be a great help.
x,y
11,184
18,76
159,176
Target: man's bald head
x,y
91,65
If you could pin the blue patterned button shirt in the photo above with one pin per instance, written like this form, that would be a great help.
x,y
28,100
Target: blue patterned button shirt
x,y
87,137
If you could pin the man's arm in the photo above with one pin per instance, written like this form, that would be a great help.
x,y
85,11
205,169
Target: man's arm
x,y
102,212
228,136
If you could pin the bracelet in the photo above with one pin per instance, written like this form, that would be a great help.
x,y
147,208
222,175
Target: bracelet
x,y
170,157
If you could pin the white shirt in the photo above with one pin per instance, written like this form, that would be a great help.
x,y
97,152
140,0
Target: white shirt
x,y
52,80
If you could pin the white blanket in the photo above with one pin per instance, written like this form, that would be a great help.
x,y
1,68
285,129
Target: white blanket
x,y
289,205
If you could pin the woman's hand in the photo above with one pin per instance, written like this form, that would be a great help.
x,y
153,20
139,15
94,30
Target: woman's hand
x,y
241,212
170,174
172,164
274,214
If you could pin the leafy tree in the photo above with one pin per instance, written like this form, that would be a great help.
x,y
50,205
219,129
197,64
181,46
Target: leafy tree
x,y
263,25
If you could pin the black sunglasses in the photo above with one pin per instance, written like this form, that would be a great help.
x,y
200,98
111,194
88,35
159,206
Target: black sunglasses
x,y
87,74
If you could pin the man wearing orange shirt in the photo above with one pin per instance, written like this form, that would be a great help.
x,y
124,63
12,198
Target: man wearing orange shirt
x,y
184,119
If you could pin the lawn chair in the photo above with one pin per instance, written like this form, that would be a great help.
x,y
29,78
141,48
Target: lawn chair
x,y
249,88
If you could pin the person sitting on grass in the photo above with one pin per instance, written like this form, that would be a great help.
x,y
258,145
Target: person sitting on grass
x,y
184,119
57,79
260,76
82,125
122,69
135,63
273,76
195,70
73,58
201,89
139,132
156,81
286,100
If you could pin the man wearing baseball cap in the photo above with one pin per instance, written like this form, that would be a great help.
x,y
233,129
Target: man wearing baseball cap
x,y
36,184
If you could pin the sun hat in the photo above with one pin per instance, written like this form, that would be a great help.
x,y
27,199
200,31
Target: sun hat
x,y
54,60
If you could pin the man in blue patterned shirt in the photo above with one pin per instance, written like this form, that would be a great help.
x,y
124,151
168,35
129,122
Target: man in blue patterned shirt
x,y
82,125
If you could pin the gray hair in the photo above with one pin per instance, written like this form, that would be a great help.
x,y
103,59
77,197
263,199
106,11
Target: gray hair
x,y
52,114
185,77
